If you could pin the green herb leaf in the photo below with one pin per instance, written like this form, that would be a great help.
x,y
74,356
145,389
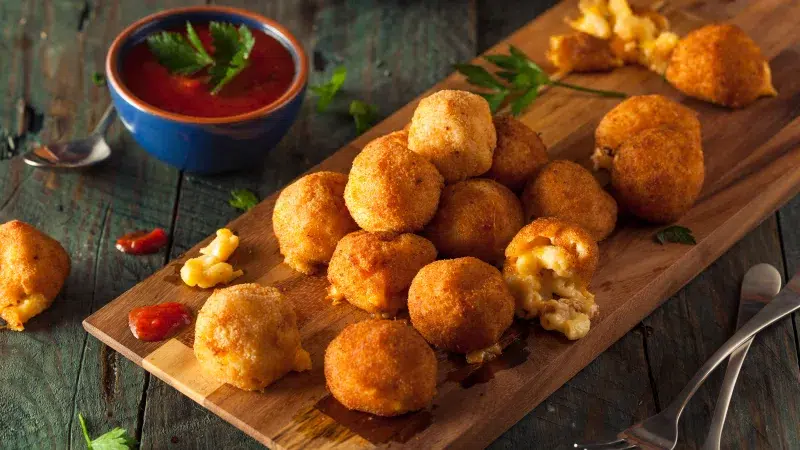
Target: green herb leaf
x,y
116,439
364,115
495,99
328,90
676,234
523,101
174,52
194,39
232,49
98,79
478,76
243,199
504,61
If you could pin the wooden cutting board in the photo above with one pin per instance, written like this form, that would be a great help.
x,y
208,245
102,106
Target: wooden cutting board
x,y
753,167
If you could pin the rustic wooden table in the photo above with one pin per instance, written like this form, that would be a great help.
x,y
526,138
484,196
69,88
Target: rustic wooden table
x,y
393,50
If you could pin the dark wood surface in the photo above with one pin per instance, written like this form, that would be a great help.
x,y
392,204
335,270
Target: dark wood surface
x,y
394,50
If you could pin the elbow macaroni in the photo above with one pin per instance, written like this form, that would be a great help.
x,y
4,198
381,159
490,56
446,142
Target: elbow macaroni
x,y
210,269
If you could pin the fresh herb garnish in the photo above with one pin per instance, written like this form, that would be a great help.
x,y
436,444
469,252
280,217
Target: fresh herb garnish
x,y
243,199
676,234
364,114
116,439
328,90
98,79
185,55
518,82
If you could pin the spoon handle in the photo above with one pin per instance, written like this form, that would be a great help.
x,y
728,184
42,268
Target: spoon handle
x,y
106,121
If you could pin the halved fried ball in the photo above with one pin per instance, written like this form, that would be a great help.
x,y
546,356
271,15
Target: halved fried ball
x,y
476,217
454,130
581,52
461,305
382,367
392,188
636,114
309,218
374,270
246,335
33,268
548,267
719,63
520,152
658,174
568,191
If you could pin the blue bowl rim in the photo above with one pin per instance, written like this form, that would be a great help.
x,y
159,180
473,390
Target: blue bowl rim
x,y
294,46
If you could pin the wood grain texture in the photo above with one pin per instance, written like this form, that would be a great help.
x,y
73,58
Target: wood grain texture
x,y
748,177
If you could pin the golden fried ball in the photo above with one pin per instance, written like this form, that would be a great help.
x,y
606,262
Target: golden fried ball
x,y
476,217
454,130
309,218
548,267
658,174
636,114
581,52
382,367
520,152
392,188
246,335
374,270
567,190
33,268
461,305
720,64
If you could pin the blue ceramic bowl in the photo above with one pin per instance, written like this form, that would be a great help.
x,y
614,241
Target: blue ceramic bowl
x,y
203,144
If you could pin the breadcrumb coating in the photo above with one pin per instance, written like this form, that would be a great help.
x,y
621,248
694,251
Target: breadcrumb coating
x,y
721,64
568,191
520,152
454,130
382,367
476,217
460,305
391,188
33,268
309,218
582,52
374,270
246,335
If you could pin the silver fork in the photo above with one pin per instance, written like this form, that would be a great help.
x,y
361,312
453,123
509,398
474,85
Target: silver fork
x,y
660,432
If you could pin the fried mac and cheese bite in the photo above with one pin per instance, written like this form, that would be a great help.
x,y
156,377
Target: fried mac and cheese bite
x,y
519,153
33,268
657,175
548,268
461,305
391,188
636,114
309,218
568,191
582,52
476,217
373,271
382,367
721,64
454,130
246,335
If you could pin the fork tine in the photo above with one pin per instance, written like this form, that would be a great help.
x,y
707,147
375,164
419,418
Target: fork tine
x,y
610,445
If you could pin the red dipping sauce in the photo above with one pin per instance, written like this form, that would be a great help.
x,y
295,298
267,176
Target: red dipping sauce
x,y
158,322
267,77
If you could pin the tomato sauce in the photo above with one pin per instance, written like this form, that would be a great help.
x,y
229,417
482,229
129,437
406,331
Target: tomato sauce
x,y
158,322
142,242
267,77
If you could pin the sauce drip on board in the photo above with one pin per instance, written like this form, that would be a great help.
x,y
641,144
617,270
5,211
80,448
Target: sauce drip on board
x,y
158,322
142,242
269,74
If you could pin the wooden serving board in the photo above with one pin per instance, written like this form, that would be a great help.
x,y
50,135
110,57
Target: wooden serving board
x,y
752,167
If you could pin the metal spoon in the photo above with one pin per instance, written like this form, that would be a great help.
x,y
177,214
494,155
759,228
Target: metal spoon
x,y
77,153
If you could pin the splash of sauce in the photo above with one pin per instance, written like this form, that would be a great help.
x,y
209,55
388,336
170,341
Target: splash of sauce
x,y
158,322
142,242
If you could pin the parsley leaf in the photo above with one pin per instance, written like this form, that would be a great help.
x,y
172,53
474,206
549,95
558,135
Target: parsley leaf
x,y
196,43
676,234
243,199
116,439
328,90
364,115
98,79
518,82
174,52
232,49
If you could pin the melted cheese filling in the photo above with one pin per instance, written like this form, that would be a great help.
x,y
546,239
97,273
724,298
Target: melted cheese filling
x,y
485,354
545,287
16,315
210,269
